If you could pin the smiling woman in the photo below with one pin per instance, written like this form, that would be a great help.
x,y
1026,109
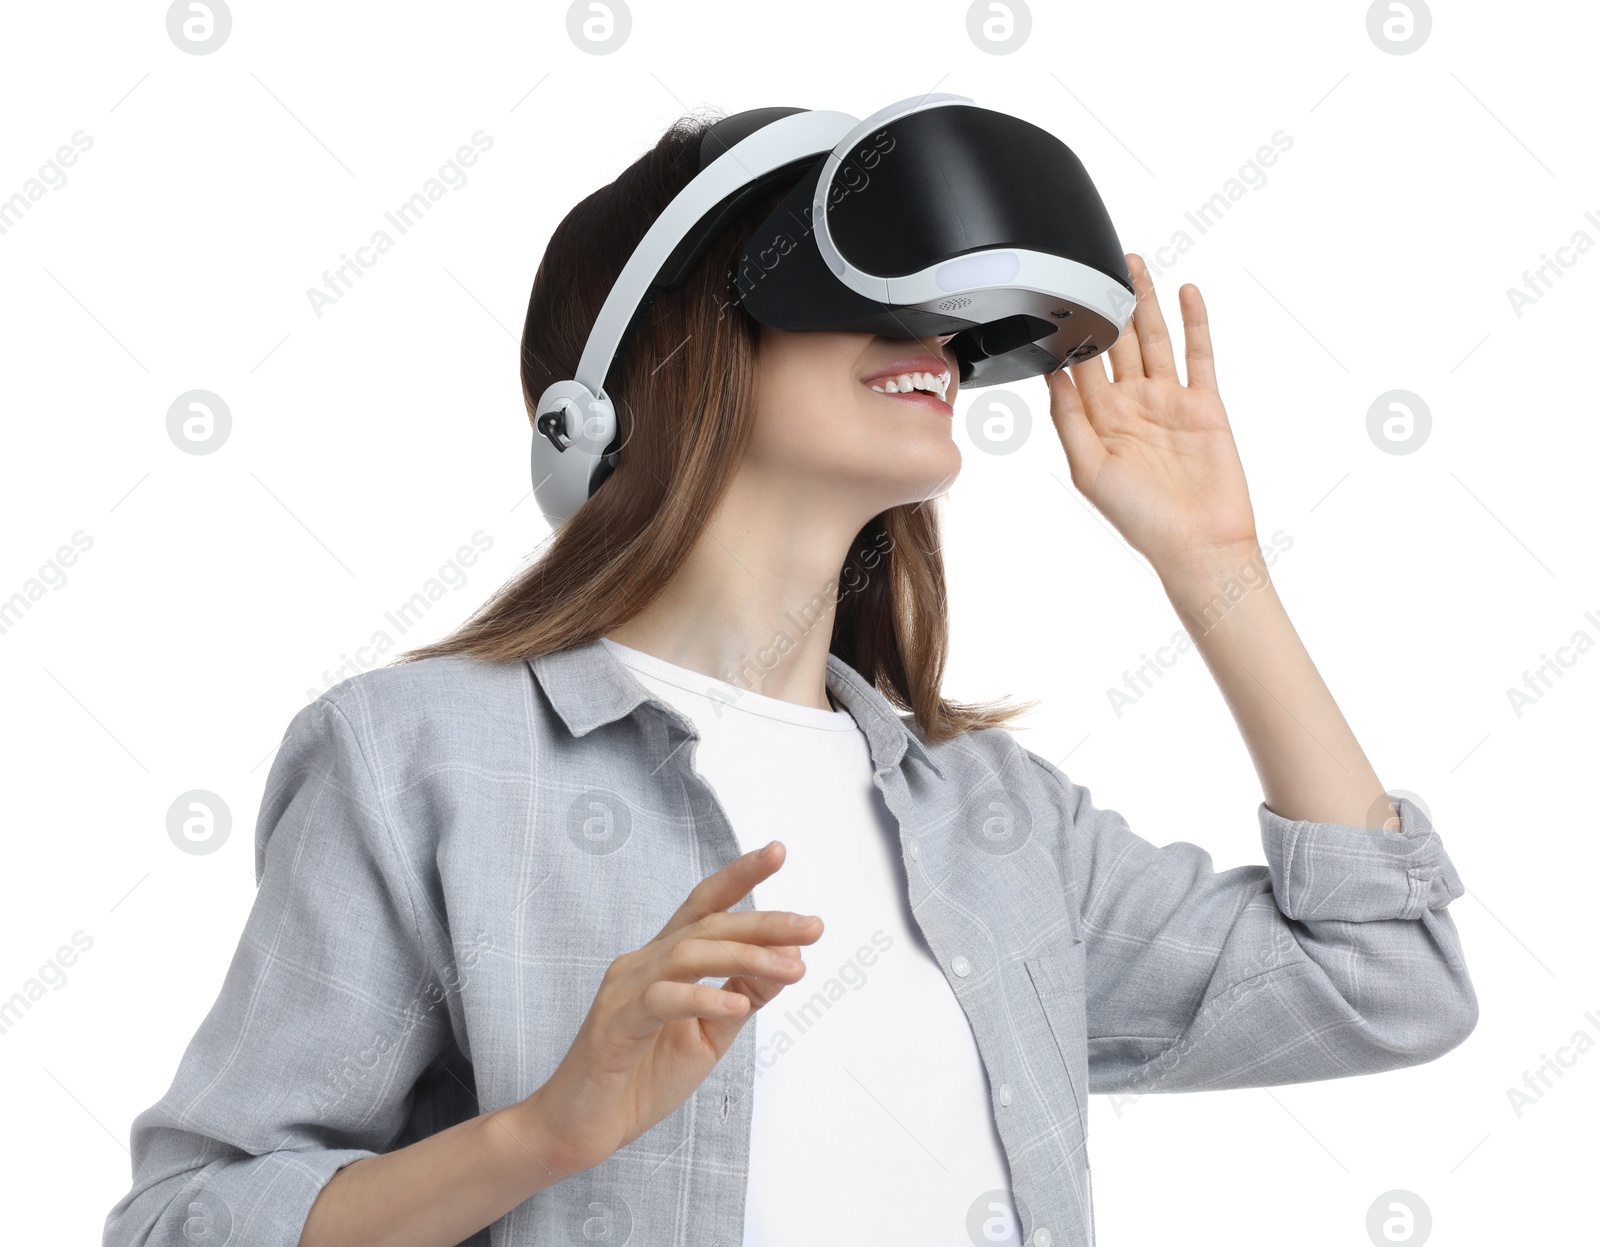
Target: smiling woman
x,y
672,706
774,414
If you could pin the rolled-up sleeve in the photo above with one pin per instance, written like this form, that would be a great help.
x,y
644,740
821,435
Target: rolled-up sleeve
x,y
1336,957
307,1060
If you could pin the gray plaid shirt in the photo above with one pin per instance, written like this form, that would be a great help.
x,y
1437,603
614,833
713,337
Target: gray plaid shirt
x,y
450,853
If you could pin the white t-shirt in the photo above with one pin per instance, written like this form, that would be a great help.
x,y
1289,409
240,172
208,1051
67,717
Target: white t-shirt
x,y
872,1119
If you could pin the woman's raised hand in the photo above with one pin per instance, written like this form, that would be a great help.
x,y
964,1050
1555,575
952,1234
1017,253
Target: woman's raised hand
x,y
653,1032
1155,455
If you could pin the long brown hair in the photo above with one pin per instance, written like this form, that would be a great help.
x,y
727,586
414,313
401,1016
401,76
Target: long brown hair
x,y
684,395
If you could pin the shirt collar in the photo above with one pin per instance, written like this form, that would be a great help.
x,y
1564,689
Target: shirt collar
x,y
588,687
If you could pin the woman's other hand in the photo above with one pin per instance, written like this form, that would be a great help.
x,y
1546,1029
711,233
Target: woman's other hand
x,y
653,1032
1155,455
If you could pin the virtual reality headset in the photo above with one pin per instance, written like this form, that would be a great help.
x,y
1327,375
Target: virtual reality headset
x,y
930,217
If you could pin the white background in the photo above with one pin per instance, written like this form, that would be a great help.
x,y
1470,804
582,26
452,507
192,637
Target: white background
x,y
370,443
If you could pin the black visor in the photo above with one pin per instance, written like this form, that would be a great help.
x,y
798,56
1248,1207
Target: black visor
x,y
931,187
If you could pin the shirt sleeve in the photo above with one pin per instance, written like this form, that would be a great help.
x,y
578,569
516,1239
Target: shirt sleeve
x,y
1336,957
325,1020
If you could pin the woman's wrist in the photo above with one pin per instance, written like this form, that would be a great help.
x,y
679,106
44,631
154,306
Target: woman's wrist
x,y
1205,582
530,1141
440,1189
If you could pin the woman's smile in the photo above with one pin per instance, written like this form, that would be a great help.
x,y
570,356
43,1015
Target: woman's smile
x,y
921,379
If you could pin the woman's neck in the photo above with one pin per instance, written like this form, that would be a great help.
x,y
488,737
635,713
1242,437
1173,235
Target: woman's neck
x,y
753,605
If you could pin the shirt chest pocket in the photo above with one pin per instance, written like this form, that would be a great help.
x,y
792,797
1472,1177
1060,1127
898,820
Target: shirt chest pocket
x,y
1060,982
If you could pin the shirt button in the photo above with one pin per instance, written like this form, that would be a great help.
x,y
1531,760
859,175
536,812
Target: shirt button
x,y
1005,1095
961,967
1041,1237
911,848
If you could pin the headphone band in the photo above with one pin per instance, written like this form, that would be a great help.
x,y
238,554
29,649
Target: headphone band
x,y
687,225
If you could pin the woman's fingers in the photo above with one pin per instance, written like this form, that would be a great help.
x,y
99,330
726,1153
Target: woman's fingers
x,y
1198,360
759,993
689,960
1126,361
758,951
656,981
759,926
665,1001
1127,352
725,888
1150,327
756,943
1085,451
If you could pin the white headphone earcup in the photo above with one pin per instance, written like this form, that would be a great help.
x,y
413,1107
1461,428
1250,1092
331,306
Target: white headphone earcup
x,y
572,428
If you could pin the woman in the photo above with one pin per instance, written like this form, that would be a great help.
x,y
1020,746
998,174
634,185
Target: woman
x,y
505,954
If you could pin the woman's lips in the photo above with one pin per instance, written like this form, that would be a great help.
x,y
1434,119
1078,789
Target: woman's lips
x,y
923,398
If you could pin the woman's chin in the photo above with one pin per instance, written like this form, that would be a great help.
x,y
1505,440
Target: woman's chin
x,y
929,475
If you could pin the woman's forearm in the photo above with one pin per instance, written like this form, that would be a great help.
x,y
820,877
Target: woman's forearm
x,y
1309,762
440,1190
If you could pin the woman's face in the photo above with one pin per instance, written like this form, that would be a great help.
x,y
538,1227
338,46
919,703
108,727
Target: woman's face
x,y
826,419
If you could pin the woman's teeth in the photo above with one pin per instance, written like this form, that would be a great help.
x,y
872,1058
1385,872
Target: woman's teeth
x,y
908,381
